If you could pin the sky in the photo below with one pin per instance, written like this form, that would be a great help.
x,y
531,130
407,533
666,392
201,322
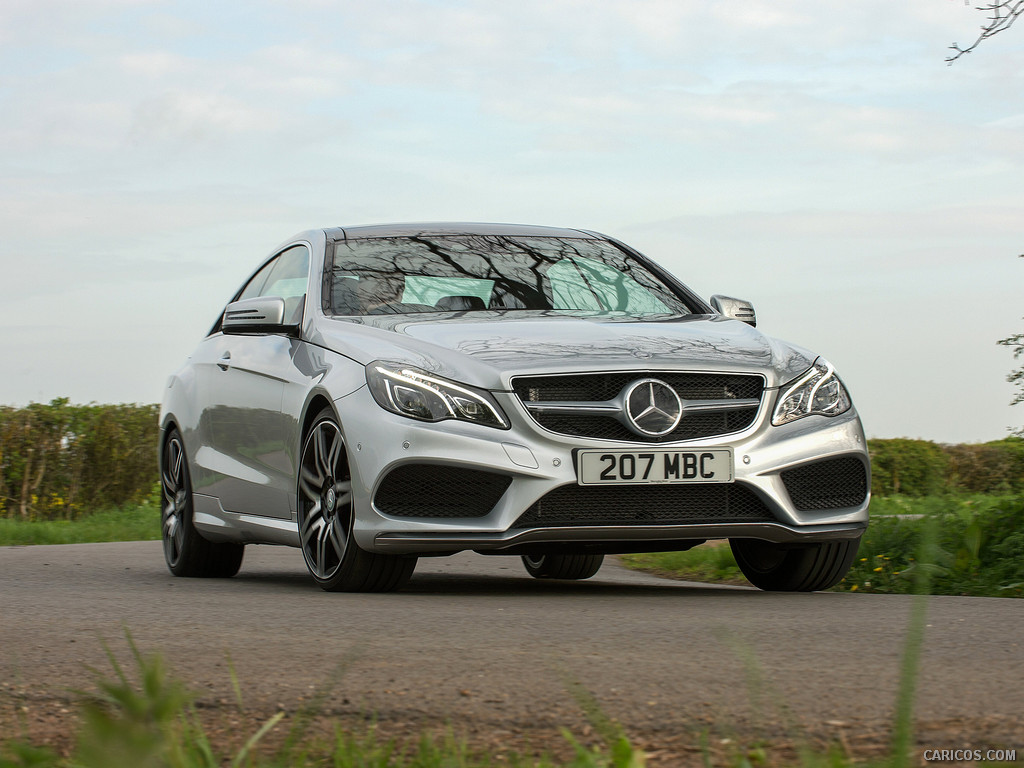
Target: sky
x,y
818,159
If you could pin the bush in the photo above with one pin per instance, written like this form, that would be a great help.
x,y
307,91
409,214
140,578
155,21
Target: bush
x,y
58,460
922,468
995,467
911,467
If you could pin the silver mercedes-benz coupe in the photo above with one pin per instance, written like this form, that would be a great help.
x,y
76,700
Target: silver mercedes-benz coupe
x,y
375,394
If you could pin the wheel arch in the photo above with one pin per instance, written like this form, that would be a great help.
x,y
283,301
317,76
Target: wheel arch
x,y
316,403
167,424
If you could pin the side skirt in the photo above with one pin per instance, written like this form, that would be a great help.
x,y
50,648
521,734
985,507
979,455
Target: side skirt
x,y
217,524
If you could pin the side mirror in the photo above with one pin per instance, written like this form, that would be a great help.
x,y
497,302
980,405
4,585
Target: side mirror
x,y
735,309
263,314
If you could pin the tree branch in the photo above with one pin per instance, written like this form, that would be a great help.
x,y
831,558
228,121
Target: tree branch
x,y
1001,17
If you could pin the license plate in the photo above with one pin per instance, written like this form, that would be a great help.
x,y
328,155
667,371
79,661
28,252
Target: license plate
x,y
656,466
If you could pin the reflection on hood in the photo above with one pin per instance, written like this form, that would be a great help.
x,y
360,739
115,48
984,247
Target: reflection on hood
x,y
485,348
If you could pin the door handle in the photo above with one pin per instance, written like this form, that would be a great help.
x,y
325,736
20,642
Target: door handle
x,y
225,361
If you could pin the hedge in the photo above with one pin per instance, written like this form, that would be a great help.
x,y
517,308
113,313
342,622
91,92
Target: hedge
x,y
58,461
922,468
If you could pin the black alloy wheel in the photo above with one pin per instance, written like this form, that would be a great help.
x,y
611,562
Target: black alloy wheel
x,y
326,519
186,551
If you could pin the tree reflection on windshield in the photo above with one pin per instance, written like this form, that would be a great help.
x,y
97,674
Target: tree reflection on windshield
x,y
397,275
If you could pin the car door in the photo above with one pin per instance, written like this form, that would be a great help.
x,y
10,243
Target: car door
x,y
248,441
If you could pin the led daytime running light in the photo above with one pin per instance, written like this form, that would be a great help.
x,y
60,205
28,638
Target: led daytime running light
x,y
451,396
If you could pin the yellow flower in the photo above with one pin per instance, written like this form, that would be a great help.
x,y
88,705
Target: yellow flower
x,y
853,588
879,569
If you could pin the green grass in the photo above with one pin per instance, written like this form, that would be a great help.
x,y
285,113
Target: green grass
x,y
133,523
979,549
708,562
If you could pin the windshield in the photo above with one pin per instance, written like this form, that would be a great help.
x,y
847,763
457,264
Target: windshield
x,y
397,275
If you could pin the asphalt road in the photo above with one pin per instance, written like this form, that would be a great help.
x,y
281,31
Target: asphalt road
x,y
475,642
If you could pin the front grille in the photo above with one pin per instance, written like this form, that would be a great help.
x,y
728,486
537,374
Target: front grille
x,y
829,484
704,503
604,387
431,490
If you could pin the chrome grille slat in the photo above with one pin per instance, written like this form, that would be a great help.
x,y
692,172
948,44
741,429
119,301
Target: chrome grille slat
x,y
608,407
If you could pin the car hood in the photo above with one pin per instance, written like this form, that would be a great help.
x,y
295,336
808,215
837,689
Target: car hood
x,y
487,348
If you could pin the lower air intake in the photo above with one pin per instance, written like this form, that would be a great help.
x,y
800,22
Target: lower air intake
x,y
829,484
577,505
432,490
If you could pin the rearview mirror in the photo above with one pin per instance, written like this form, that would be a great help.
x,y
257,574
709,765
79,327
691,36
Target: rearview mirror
x,y
736,309
263,314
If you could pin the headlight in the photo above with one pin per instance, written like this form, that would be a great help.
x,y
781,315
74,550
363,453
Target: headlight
x,y
817,391
419,395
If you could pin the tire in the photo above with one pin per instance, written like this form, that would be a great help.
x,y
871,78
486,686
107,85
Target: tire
x,y
186,551
326,516
562,566
803,568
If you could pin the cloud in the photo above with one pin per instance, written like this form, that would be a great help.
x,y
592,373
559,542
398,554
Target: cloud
x,y
197,117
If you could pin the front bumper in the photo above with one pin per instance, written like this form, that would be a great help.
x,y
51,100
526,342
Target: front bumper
x,y
537,462
609,539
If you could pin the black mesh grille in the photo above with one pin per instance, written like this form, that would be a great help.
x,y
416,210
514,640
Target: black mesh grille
x,y
578,505
829,484
605,386
429,490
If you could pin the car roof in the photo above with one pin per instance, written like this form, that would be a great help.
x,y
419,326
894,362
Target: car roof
x,y
411,229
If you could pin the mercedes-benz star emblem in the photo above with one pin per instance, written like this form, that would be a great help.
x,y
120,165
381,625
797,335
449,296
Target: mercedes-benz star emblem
x,y
652,407
331,499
